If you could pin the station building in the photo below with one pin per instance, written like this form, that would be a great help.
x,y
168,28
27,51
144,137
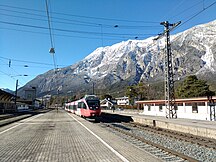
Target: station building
x,y
190,108
6,102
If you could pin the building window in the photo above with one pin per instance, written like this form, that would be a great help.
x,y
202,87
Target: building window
x,y
188,104
201,103
194,108
179,104
29,96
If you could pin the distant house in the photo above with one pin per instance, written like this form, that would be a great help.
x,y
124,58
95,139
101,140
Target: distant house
x,y
30,98
107,104
190,108
123,100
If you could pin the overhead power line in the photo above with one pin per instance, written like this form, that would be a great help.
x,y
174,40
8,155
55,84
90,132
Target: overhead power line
x,y
75,22
52,49
31,62
74,36
71,31
196,14
185,10
81,16
81,23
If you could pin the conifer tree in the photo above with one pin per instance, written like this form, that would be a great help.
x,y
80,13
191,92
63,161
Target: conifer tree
x,y
193,87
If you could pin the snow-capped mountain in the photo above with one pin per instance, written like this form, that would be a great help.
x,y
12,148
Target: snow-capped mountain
x,y
194,52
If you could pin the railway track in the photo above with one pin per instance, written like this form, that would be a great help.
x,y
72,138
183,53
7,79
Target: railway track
x,y
166,145
12,118
206,142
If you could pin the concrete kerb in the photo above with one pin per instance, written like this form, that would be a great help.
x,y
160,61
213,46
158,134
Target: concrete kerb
x,y
203,132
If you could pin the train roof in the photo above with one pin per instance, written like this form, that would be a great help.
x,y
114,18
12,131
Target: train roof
x,y
91,97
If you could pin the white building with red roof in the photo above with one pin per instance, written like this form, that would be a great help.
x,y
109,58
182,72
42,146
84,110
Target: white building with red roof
x,y
191,108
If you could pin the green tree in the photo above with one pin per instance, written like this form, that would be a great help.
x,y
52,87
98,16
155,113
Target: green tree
x,y
131,93
139,92
193,87
142,90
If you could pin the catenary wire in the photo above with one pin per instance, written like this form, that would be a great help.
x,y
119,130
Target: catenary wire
x,y
141,27
68,30
88,17
73,36
196,14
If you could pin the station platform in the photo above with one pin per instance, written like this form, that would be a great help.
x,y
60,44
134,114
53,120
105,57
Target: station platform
x,y
195,127
60,136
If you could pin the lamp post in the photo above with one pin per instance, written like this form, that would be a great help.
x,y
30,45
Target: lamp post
x,y
15,100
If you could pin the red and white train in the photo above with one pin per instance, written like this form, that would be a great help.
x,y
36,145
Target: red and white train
x,y
88,106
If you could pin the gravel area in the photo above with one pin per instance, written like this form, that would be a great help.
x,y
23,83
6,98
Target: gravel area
x,y
200,153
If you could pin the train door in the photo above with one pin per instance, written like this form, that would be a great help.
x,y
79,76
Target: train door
x,y
79,107
83,107
73,108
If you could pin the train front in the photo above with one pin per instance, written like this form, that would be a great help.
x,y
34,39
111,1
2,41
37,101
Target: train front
x,y
93,103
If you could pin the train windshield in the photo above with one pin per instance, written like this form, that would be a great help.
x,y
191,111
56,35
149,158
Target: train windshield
x,y
93,104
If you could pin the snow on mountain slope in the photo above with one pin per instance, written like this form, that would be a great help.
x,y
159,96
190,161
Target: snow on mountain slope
x,y
194,52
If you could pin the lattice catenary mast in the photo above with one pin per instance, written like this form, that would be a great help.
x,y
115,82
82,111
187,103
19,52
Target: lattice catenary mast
x,y
169,80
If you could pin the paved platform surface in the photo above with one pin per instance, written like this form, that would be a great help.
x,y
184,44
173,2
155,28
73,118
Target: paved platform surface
x,y
196,127
63,137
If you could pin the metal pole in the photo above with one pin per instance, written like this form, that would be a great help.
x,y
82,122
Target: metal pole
x,y
15,101
93,88
169,80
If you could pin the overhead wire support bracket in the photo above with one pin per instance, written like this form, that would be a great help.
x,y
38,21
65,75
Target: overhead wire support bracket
x,y
169,80
167,30
52,49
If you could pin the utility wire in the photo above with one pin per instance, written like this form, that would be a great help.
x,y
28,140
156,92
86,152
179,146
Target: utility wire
x,y
187,9
68,30
195,15
74,36
71,22
32,62
49,24
88,17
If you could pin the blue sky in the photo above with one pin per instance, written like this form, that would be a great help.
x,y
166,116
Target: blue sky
x,y
81,26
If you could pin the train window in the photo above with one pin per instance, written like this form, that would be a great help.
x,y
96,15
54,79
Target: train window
x,y
74,107
79,104
82,105
93,104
